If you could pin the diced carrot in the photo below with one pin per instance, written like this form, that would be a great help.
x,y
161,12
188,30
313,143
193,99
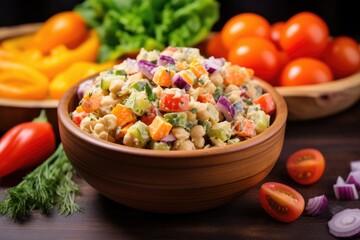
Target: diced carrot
x,y
246,129
237,75
197,68
266,103
181,65
162,77
123,115
206,97
159,128
91,102
123,131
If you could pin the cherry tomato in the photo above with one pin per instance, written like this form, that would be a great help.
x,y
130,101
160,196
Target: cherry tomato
x,y
215,47
305,71
306,166
304,35
244,25
342,54
65,28
275,32
281,201
258,54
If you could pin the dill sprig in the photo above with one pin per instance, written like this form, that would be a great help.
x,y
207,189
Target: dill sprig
x,y
50,185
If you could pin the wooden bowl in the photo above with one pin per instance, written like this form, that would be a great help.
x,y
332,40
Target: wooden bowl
x,y
321,100
172,181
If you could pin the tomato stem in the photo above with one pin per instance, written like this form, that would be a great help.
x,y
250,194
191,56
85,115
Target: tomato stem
x,y
42,117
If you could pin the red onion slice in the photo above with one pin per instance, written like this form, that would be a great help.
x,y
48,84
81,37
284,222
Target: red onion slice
x,y
179,82
317,205
213,64
147,68
164,60
345,191
226,108
354,178
355,165
345,223
169,139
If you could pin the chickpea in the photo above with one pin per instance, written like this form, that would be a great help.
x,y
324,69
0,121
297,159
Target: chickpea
x,y
180,134
99,127
87,124
110,121
197,131
202,112
186,145
217,78
116,85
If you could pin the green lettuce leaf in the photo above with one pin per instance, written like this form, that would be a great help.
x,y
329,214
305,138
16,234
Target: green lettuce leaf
x,y
126,26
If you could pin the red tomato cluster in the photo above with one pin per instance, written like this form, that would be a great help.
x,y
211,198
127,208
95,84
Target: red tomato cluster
x,y
299,51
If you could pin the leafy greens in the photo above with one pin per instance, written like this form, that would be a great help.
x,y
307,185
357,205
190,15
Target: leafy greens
x,y
126,26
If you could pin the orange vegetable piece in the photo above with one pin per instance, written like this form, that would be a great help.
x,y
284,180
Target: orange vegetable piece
x,y
197,68
159,128
123,131
236,75
91,102
181,65
65,28
162,77
266,103
246,129
123,115
206,97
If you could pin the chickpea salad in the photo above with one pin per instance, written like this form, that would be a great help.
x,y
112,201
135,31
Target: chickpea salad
x,y
175,99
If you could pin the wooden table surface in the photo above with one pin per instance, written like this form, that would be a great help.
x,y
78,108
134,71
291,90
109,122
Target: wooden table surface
x,y
337,137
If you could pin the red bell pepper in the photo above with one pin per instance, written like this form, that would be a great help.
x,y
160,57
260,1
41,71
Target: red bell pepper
x,y
26,145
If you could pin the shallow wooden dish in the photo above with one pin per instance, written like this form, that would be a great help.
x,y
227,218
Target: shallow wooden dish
x,y
316,101
172,181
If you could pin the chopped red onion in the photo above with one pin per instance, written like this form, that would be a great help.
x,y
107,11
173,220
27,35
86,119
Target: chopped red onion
x,y
226,108
179,82
147,68
345,191
345,223
169,139
164,60
213,64
355,165
316,205
82,87
354,178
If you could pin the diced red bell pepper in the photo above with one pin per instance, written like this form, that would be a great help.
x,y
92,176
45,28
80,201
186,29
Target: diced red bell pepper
x,y
171,102
266,103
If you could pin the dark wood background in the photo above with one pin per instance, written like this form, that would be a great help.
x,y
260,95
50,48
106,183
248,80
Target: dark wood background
x,y
337,137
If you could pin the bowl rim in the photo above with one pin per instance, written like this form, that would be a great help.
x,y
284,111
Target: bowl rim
x,y
279,122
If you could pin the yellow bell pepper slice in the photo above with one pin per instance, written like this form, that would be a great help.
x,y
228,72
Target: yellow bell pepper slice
x,y
73,74
18,81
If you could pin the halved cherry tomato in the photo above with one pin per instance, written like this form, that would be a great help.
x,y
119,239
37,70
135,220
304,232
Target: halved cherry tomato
x,y
215,47
258,54
306,166
305,71
342,54
244,25
304,35
281,201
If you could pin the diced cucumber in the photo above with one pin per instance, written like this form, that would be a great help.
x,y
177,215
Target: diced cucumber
x,y
160,146
176,119
138,102
213,113
139,85
221,131
106,81
140,133
261,120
